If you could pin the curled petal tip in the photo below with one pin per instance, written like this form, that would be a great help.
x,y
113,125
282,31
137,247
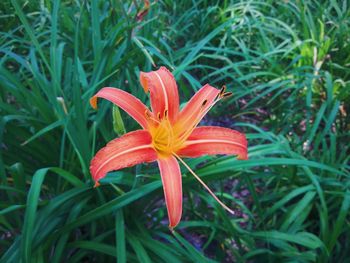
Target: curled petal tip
x,y
144,81
93,102
163,91
242,157
97,184
124,100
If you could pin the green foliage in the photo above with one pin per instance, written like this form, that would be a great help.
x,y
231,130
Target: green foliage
x,y
287,64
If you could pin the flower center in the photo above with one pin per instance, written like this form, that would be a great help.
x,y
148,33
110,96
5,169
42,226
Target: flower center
x,y
165,139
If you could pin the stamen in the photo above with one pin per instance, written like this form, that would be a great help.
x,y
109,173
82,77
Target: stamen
x,y
227,94
198,116
158,115
159,130
222,90
149,117
204,185
185,135
201,114
163,137
169,129
211,106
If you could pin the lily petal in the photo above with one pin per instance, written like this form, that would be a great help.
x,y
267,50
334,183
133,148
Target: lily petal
x,y
163,90
130,149
129,103
215,140
171,179
197,107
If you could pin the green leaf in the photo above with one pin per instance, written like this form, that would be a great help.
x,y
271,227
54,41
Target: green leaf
x,y
30,214
120,236
302,238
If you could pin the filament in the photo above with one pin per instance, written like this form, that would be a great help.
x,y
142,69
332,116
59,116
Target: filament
x,y
204,185
201,114
149,117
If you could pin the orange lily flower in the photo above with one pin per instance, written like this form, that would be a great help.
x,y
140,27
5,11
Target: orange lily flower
x,y
168,134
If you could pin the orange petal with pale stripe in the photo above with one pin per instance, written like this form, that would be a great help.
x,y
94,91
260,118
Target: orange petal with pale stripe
x,y
172,185
215,140
197,107
130,149
163,90
129,103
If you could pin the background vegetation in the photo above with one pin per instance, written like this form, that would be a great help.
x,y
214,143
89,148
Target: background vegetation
x,y
287,63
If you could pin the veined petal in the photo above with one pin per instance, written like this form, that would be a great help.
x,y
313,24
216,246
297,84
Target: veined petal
x,y
197,107
163,90
129,103
172,185
215,140
130,149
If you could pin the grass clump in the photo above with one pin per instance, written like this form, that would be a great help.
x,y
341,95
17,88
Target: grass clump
x,y
287,65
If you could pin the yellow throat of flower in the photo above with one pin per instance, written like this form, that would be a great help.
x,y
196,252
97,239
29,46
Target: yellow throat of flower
x,y
166,139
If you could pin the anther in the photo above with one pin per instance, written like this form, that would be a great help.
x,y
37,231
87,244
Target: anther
x,y
166,114
222,91
204,103
158,115
148,116
227,94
